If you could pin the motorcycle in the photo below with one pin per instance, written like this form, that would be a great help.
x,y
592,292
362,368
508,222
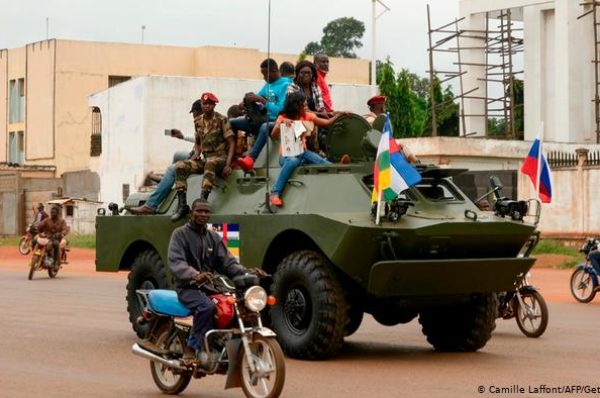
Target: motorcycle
x,y
584,280
527,306
242,347
25,241
42,258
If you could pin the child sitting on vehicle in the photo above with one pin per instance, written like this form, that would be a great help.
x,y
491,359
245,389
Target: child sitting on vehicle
x,y
293,152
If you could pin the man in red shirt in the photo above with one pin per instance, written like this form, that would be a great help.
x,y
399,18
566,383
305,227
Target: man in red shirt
x,y
321,61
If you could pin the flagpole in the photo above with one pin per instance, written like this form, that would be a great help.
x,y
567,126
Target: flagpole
x,y
539,160
378,207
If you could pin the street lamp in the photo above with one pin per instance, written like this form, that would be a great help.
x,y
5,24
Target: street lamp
x,y
375,17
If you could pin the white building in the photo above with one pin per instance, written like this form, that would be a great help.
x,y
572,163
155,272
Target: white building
x,y
135,114
558,70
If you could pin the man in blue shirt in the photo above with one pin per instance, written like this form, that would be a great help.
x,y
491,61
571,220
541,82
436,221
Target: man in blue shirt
x,y
271,96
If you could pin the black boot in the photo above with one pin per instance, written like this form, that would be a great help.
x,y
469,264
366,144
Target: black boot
x,y
204,194
182,207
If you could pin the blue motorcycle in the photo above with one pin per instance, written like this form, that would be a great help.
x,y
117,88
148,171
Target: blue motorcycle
x,y
584,281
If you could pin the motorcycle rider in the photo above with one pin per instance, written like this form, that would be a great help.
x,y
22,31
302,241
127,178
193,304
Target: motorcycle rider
x,y
194,253
55,229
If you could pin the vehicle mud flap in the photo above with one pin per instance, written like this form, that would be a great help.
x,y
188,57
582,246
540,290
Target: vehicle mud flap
x,y
234,372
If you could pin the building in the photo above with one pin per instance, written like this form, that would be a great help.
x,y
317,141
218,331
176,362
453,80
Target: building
x,y
46,124
560,80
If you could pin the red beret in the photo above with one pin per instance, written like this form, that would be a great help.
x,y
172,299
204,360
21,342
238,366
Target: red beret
x,y
209,97
378,99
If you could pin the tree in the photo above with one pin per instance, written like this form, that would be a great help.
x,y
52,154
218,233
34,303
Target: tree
x,y
446,114
340,38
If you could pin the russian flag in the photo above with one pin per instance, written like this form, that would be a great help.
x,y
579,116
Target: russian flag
x,y
392,173
536,167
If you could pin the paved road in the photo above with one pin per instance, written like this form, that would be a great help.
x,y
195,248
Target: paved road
x,y
69,337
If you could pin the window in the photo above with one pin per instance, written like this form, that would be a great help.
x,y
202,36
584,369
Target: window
x,y
114,80
70,211
16,148
96,140
16,101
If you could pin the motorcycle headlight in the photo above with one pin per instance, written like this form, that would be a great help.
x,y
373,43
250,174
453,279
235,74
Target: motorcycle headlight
x,y
255,298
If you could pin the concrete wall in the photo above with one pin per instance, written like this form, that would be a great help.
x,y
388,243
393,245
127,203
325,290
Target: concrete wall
x,y
574,210
3,105
39,102
136,113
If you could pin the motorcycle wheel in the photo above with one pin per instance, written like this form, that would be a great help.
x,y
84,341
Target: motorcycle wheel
x,y
164,377
52,272
533,319
582,286
269,376
35,259
24,246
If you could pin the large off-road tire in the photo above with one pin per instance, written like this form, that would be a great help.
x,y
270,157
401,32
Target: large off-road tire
x,y
311,311
461,327
269,376
147,272
391,313
165,378
33,265
582,286
533,319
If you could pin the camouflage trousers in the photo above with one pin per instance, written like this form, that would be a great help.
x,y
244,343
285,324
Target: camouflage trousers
x,y
210,167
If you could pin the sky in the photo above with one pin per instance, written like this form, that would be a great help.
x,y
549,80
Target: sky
x,y
401,32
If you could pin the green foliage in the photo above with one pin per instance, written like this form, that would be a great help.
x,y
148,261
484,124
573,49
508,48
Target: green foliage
x,y
340,38
75,240
446,112
551,246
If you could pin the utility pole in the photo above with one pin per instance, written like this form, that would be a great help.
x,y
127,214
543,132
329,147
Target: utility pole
x,y
143,29
374,18
47,27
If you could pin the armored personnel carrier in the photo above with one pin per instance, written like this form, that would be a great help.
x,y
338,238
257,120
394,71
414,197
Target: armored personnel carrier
x,y
434,255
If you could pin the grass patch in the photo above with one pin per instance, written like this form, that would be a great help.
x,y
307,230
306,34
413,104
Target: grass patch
x,y
10,241
550,246
75,240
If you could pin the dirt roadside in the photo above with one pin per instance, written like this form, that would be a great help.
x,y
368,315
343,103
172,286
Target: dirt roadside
x,y
553,283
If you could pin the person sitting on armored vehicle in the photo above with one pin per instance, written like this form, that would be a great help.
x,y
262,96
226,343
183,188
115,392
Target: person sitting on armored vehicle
x,y
217,143
168,179
376,106
297,120
268,103
287,70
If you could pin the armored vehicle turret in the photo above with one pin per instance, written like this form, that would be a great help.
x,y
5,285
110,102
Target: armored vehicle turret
x,y
434,255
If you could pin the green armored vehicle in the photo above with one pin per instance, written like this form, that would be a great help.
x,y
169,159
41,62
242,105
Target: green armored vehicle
x,y
434,255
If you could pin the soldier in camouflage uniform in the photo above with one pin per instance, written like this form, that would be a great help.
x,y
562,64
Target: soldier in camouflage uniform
x,y
216,143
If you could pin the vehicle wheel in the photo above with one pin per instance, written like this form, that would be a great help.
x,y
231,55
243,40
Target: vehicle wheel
x,y
582,286
461,327
533,319
24,246
166,379
391,313
52,272
355,317
311,311
35,259
268,378
147,272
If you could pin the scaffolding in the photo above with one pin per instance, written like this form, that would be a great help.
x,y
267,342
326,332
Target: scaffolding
x,y
591,8
500,45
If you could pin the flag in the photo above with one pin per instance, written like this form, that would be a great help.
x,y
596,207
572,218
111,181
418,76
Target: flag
x,y
536,167
392,173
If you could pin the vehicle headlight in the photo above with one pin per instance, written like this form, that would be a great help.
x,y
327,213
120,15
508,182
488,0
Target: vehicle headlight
x,y
255,298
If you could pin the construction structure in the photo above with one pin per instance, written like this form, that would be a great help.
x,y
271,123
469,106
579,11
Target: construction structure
x,y
531,52
501,43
